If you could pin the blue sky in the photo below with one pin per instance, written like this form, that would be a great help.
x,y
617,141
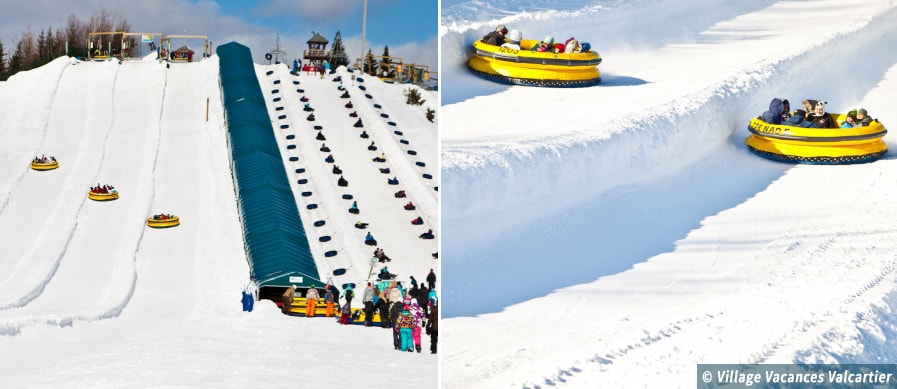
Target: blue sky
x,y
408,27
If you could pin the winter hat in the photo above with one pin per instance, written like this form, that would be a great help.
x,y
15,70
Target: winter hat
x,y
515,36
862,111
852,113
820,104
549,39
500,28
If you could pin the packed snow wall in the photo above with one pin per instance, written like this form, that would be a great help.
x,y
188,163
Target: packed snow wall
x,y
275,241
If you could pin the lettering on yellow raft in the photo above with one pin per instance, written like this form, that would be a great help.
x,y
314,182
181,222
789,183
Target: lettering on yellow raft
x,y
770,129
508,50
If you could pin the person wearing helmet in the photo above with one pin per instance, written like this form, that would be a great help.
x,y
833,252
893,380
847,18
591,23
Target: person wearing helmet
x,y
497,37
514,38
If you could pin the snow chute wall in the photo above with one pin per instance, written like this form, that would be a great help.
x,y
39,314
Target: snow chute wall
x,y
275,241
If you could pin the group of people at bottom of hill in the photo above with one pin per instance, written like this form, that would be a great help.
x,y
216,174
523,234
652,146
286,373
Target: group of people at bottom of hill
x,y
812,114
44,159
401,312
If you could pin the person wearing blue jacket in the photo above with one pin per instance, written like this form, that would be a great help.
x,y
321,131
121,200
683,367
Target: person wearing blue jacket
x,y
774,115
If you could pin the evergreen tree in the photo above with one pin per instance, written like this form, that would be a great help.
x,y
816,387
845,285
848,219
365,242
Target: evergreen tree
x,y
76,36
2,61
370,64
42,52
338,56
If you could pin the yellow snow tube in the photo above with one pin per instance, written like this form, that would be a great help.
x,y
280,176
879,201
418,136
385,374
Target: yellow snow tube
x,y
103,196
163,223
824,146
525,67
44,165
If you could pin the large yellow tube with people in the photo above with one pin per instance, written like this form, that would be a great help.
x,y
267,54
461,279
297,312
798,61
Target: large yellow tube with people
x,y
822,146
525,67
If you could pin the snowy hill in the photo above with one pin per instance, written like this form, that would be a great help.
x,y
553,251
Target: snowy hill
x,y
627,233
87,288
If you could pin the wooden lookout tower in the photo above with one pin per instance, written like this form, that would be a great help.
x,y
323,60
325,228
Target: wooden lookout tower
x,y
317,52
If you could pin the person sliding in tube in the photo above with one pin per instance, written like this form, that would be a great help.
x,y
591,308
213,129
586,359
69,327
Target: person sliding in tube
x,y
545,46
821,118
774,114
497,37
798,119
514,38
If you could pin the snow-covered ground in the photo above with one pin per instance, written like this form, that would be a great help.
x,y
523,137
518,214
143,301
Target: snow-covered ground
x,y
91,297
625,233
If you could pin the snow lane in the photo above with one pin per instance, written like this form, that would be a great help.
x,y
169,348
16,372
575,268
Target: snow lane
x,y
169,256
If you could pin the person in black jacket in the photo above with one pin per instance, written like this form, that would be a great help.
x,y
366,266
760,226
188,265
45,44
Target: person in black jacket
x,y
431,280
497,37
821,118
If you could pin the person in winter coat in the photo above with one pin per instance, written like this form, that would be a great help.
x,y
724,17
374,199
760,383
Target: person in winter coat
x,y
545,46
348,294
329,298
432,298
383,307
863,118
497,37
395,313
311,300
431,279
405,327
433,327
798,119
396,294
368,300
422,295
419,319
287,299
774,114
514,38
821,118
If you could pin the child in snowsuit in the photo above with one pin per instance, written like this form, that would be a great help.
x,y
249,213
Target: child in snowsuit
x,y
405,326
419,317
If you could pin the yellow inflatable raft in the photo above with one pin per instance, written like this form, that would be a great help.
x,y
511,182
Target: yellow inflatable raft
x,y
823,146
525,67
44,165
97,196
163,221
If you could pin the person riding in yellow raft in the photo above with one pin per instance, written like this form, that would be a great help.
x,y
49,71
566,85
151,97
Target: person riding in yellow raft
x,y
102,193
44,163
816,137
163,221
513,60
